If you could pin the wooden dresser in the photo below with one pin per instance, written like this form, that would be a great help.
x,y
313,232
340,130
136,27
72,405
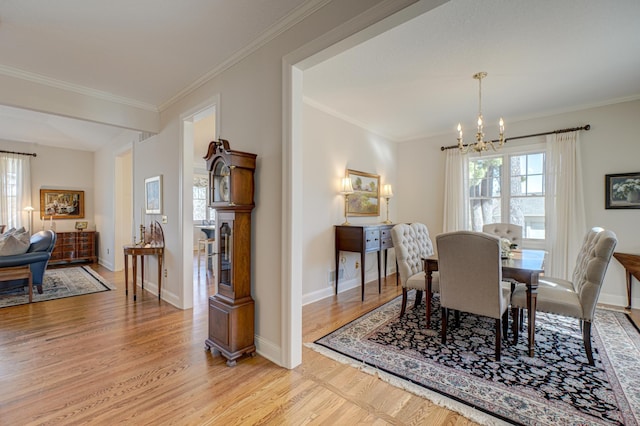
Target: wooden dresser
x,y
363,239
74,247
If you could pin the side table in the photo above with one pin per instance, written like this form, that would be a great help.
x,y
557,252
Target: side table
x,y
141,251
631,264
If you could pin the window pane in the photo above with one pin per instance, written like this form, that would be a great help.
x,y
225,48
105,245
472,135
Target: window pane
x,y
485,190
535,164
528,212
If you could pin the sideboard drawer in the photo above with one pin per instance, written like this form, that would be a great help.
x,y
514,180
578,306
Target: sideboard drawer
x,y
372,239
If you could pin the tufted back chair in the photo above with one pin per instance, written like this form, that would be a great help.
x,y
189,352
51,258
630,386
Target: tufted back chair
x,y
408,253
577,298
423,239
509,231
412,244
591,266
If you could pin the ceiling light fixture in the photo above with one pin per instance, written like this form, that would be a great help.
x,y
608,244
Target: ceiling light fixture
x,y
480,145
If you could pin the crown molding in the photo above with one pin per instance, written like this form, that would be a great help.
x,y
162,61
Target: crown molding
x,y
82,90
288,21
343,117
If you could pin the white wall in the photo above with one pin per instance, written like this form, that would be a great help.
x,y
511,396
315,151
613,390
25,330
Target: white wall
x,y
610,146
112,201
330,147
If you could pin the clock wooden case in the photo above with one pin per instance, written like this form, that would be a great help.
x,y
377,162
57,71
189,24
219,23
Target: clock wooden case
x,y
231,309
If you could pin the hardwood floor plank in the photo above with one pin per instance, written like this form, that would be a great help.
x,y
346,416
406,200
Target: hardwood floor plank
x,y
104,359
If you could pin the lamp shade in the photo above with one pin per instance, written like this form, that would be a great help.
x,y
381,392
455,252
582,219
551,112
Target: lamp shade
x,y
346,187
387,192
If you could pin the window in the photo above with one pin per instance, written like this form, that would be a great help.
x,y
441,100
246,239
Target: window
x,y
15,189
514,196
200,186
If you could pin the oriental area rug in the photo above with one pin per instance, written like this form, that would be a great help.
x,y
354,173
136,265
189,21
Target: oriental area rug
x,y
58,283
556,387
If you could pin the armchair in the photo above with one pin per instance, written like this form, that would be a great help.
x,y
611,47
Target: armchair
x,y
412,244
37,256
576,298
471,279
509,231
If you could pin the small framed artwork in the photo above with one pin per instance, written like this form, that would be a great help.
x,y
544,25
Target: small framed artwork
x,y
80,226
366,194
153,195
61,204
622,191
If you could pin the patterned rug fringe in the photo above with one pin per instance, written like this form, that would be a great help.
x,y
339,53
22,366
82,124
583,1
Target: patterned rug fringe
x,y
436,398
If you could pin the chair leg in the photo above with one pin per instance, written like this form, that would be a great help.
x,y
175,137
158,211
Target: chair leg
x,y
515,318
498,338
586,336
457,316
404,301
418,300
505,324
445,319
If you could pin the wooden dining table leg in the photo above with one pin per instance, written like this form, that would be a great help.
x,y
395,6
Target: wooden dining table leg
x,y
532,301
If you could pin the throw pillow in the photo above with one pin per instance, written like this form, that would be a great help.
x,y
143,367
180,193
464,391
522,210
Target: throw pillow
x,y
16,242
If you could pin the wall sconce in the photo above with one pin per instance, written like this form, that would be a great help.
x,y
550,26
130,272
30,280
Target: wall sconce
x,y
346,189
29,211
387,193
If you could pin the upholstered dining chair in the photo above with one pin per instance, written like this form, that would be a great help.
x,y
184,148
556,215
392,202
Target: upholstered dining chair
x,y
412,243
509,231
576,298
470,270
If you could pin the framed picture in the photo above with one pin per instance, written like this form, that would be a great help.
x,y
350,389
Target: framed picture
x,y
622,191
365,200
61,204
153,195
81,225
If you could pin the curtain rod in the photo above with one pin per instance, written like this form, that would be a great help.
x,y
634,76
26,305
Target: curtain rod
x,y
18,153
574,129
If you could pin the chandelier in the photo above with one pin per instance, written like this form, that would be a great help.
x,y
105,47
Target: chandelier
x,y
480,145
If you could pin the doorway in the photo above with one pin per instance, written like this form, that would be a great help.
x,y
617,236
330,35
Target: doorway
x,y
199,128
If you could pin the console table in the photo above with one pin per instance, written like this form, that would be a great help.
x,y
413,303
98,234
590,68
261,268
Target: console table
x,y
152,245
142,251
363,239
631,264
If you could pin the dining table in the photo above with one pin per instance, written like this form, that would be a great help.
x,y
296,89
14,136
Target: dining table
x,y
523,266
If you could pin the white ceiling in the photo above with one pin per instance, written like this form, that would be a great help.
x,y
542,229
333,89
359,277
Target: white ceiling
x,y
543,57
144,53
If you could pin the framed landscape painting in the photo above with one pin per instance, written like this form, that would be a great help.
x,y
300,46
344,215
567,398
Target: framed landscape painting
x,y
61,204
153,195
365,200
622,191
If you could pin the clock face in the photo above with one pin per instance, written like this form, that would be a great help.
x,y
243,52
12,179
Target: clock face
x,y
221,182
224,184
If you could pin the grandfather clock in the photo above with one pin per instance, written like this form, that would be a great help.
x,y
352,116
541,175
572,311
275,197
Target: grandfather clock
x,y
231,309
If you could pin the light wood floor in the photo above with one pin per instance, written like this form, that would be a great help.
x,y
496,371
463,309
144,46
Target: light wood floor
x,y
103,359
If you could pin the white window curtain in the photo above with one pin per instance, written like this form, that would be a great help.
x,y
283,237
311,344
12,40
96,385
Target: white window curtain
x,y
15,189
456,198
564,204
